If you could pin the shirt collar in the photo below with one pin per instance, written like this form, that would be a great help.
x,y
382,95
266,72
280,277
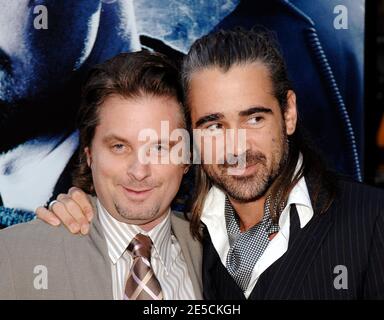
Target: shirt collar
x,y
214,204
119,234
299,196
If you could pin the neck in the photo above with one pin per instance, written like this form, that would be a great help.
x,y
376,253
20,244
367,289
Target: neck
x,y
150,225
146,225
250,213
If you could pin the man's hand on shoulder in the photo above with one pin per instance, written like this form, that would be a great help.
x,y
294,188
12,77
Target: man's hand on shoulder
x,y
74,210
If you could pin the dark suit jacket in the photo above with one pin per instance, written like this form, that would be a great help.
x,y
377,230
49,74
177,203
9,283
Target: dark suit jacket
x,y
350,234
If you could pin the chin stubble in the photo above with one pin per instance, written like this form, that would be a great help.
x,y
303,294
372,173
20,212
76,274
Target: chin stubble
x,y
245,189
126,213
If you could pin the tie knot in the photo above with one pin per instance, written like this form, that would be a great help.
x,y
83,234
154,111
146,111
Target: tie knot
x,y
140,246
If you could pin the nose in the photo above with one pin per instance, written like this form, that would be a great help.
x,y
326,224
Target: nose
x,y
236,142
138,170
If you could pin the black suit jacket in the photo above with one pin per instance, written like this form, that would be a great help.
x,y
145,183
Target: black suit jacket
x,y
350,234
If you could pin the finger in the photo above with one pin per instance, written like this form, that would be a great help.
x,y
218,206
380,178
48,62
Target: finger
x,y
73,208
47,216
66,218
82,200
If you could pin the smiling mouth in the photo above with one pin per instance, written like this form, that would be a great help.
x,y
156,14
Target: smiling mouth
x,y
137,194
137,191
242,171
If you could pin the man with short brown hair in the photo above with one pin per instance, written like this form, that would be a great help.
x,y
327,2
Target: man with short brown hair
x,y
137,248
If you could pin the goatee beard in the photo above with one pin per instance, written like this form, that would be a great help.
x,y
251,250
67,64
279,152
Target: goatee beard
x,y
250,188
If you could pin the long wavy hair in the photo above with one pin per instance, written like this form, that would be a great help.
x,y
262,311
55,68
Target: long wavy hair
x,y
224,49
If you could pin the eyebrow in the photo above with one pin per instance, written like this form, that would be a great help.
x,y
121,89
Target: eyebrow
x,y
255,109
208,118
113,137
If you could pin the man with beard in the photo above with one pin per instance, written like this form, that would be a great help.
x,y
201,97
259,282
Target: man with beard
x,y
281,226
132,251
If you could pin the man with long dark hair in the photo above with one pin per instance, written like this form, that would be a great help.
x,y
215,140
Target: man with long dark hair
x,y
280,226
285,227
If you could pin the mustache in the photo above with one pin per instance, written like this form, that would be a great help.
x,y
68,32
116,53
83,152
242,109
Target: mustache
x,y
141,185
246,159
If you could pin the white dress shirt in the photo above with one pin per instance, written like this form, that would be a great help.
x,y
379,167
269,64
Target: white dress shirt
x,y
167,260
213,216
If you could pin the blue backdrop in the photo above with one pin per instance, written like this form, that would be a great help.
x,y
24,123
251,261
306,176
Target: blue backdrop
x,y
46,46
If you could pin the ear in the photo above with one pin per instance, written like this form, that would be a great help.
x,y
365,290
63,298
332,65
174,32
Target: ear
x,y
88,155
290,114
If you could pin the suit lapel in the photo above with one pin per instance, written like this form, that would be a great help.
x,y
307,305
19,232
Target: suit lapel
x,y
192,251
303,247
91,262
295,263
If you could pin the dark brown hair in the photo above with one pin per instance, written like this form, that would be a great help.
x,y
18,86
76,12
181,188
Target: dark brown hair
x,y
226,48
130,75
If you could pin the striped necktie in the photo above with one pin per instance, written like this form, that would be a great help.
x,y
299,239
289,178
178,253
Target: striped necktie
x,y
142,283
